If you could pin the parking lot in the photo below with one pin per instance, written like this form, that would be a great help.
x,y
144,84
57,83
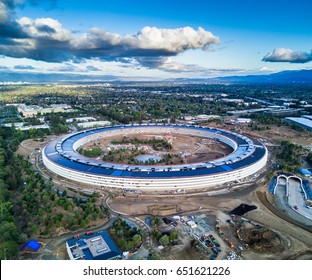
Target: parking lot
x,y
209,238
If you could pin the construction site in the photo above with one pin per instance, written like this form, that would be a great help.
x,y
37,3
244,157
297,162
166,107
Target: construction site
x,y
262,232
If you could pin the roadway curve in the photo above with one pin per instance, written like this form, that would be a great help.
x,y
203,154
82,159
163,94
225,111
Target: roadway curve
x,y
264,200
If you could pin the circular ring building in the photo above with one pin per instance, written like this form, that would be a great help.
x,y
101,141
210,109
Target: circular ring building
x,y
247,158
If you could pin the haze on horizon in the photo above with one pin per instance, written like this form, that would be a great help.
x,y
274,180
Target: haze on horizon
x,y
166,39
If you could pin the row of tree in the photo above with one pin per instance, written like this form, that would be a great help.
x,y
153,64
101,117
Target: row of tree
x,y
164,239
94,152
10,238
309,158
29,206
289,155
128,238
158,144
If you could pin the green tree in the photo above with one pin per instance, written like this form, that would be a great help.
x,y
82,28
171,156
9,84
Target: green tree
x,y
112,231
121,243
5,210
309,157
8,250
173,236
155,221
34,228
155,257
137,239
164,240
8,232
130,245
94,216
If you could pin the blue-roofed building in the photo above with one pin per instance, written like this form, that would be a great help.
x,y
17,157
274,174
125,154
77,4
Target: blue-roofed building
x,y
272,185
302,122
95,246
247,158
307,188
305,172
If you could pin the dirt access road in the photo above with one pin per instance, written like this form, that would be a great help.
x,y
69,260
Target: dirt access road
x,y
296,241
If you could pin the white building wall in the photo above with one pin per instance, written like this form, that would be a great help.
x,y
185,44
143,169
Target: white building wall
x,y
173,183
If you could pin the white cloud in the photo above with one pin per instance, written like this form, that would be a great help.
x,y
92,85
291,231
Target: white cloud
x,y
174,40
45,28
288,55
45,39
266,69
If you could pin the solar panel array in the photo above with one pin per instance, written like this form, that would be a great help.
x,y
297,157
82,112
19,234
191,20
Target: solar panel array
x,y
63,152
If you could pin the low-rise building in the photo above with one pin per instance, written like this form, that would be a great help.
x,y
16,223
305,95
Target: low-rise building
x,y
33,110
309,117
243,120
302,122
188,118
93,124
28,111
80,119
39,126
283,112
246,112
22,126
234,100
95,246
305,172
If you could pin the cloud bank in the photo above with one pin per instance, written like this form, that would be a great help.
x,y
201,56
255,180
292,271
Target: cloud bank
x,y
45,39
288,55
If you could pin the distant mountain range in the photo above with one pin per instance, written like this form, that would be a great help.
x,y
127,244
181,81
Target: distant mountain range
x,y
50,78
284,77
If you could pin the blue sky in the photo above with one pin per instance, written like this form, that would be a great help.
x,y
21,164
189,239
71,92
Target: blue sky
x,y
158,39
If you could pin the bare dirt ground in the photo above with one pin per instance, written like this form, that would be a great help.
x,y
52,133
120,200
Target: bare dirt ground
x,y
189,253
276,134
259,239
31,146
288,241
200,150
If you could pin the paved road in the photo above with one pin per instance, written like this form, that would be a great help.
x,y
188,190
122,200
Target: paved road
x,y
296,198
281,186
281,202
